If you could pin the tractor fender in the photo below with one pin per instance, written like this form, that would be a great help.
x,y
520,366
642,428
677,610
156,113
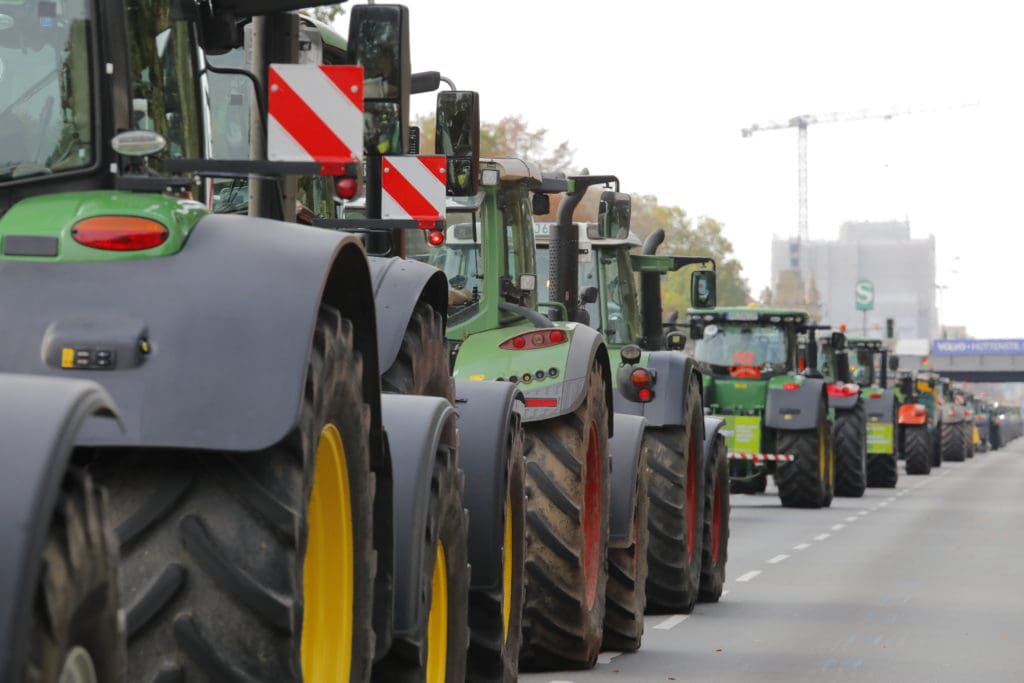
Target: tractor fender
x,y
883,408
586,347
414,425
209,345
912,414
40,421
398,285
625,448
712,429
487,414
843,402
672,372
796,409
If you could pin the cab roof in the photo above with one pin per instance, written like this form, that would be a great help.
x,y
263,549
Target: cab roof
x,y
512,169
589,238
748,314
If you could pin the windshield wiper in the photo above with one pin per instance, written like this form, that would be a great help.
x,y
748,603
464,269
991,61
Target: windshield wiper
x,y
23,169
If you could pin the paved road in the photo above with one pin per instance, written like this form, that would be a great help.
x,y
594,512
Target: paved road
x,y
921,583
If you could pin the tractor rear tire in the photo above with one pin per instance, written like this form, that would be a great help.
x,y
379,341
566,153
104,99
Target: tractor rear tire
x,y
715,549
883,470
626,599
807,482
917,444
968,430
214,545
934,434
445,540
757,484
494,639
850,439
951,443
74,622
676,520
567,499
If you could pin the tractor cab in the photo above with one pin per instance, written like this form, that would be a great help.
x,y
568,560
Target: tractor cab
x,y
747,343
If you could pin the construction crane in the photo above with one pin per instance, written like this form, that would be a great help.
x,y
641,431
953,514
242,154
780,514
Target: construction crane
x,y
801,123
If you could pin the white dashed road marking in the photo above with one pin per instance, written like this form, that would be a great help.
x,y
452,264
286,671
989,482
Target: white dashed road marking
x,y
802,546
838,527
778,558
749,576
607,657
671,622
852,519
821,537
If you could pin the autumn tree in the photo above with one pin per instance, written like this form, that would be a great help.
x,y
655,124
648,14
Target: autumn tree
x,y
509,137
328,13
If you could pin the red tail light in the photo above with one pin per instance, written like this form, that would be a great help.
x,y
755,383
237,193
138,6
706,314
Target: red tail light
x,y
645,395
842,390
542,403
534,339
875,395
436,237
640,378
119,233
790,386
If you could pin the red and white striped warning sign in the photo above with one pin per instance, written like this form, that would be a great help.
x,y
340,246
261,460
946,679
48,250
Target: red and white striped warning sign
x,y
414,188
763,457
316,114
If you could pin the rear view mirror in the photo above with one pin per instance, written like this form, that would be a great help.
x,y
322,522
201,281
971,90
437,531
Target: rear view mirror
x,y
589,295
541,204
378,41
458,138
837,341
696,331
613,214
894,363
703,289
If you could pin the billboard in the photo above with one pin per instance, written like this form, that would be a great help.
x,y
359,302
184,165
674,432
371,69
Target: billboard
x,y
978,347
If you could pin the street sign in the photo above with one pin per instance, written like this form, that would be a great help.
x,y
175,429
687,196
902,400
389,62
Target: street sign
x,y
864,295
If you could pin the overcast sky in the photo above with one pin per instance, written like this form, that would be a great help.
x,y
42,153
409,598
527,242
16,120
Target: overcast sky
x,y
657,92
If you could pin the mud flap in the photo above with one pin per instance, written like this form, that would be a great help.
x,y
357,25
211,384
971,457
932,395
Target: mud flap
x,y
40,421
625,449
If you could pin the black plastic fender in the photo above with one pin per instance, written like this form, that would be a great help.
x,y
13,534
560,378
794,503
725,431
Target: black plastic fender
x,y
586,347
883,408
794,409
672,371
712,428
414,426
625,447
228,322
398,285
843,402
40,419
486,413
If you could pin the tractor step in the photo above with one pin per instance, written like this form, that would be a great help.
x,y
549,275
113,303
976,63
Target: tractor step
x,y
763,457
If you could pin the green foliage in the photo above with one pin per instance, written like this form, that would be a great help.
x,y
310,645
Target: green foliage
x,y
328,13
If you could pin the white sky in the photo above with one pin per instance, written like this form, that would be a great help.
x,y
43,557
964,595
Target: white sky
x,y
657,92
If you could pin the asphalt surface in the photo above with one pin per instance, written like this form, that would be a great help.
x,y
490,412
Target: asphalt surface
x,y
918,583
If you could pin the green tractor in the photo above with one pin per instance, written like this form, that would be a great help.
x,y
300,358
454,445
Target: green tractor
x,y
870,365
688,489
577,521
849,414
932,421
279,515
775,405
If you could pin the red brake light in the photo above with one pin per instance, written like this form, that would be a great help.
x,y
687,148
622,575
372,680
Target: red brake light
x,y
790,386
640,377
644,395
346,188
842,390
875,395
542,403
436,237
535,339
119,233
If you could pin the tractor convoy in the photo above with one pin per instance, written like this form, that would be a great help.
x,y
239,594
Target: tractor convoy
x,y
287,400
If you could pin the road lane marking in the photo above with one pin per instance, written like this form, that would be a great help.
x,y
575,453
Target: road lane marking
x,y
891,499
864,512
821,537
749,576
852,519
802,546
838,527
883,503
725,592
903,492
778,558
607,657
672,622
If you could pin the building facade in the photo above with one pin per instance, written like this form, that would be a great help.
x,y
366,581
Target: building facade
x,y
900,269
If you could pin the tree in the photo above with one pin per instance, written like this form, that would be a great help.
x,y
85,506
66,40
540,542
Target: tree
x,y
328,13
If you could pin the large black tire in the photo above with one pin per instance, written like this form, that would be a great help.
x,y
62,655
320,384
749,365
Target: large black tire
x,y
715,548
758,483
676,520
933,436
968,431
917,444
214,544
850,439
494,643
806,482
445,533
566,579
626,599
951,443
74,620
883,470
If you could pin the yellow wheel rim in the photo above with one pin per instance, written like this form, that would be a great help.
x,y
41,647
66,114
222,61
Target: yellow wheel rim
x,y
506,571
822,455
437,621
329,567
